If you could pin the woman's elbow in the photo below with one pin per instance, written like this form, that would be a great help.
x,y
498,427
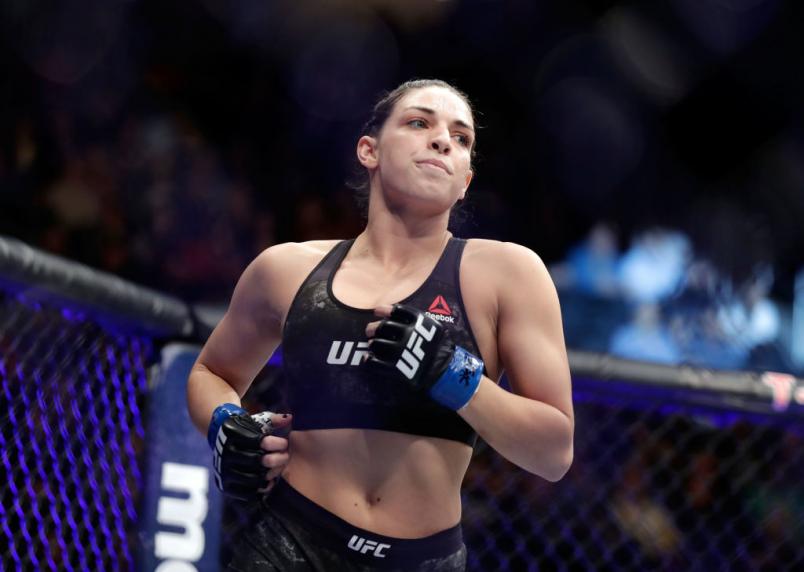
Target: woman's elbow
x,y
562,458
561,466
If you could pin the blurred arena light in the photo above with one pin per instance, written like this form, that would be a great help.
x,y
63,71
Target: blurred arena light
x,y
725,26
274,28
596,140
339,55
62,42
649,56
410,14
338,72
284,28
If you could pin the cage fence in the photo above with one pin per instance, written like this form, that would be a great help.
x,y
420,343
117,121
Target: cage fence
x,y
706,481
71,437
674,468
75,350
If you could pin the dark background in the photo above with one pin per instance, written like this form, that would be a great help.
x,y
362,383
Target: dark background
x,y
169,142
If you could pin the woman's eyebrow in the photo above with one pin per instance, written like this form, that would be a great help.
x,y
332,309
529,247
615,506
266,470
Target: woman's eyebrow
x,y
432,112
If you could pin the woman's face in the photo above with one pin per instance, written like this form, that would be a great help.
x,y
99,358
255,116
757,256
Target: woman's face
x,y
422,155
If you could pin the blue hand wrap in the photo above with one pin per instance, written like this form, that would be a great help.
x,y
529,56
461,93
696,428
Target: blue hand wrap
x,y
221,414
458,384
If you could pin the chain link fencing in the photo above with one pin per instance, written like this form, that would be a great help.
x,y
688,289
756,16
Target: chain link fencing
x,y
651,488
705,476
76,346
71,438
656,484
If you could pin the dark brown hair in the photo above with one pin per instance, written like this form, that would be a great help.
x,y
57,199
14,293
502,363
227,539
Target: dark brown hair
x,y
382,110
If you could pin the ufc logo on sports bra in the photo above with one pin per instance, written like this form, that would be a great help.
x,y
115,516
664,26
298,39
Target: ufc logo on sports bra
x,y
340,352
412,357
364,545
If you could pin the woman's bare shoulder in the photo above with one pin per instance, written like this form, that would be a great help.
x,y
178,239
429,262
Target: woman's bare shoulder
x,y
498,252
505,265
289,255
278,271
288,261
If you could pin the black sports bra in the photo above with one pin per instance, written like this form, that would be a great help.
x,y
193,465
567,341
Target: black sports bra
x,y
324,341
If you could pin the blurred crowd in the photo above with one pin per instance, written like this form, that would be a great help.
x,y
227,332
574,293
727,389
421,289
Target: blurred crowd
x,y
661,301
170,142
154,202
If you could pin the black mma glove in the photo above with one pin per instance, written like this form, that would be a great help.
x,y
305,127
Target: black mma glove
x,y
235,438
415,348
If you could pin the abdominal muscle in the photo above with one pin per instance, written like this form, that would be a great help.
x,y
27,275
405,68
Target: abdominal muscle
x,y
394,484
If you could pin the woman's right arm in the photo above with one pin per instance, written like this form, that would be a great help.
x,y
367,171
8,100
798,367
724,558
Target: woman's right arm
x,y
241,343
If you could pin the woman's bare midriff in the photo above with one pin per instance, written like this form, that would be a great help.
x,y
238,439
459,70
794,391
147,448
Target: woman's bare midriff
x,y
399,485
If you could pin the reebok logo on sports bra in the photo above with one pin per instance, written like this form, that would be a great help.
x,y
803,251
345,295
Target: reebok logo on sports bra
x,y
439,310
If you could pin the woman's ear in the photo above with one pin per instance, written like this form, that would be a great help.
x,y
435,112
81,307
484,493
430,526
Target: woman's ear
x,y
367,151
469,175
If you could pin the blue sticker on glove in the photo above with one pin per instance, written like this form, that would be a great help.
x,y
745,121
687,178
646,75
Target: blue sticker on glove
x,y
458,384
219,416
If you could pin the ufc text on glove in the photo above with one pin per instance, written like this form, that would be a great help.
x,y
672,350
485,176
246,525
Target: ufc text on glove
x,y
417,349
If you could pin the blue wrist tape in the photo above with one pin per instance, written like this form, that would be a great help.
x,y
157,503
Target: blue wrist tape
x,y
221,414
458,384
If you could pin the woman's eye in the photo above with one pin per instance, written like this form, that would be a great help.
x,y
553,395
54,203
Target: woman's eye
x,y
462,139
417,123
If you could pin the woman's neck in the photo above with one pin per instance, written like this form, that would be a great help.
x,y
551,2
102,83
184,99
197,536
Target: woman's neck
x,y
397,245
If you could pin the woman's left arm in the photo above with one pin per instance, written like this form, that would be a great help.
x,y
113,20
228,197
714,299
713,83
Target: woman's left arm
x,y
532,425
